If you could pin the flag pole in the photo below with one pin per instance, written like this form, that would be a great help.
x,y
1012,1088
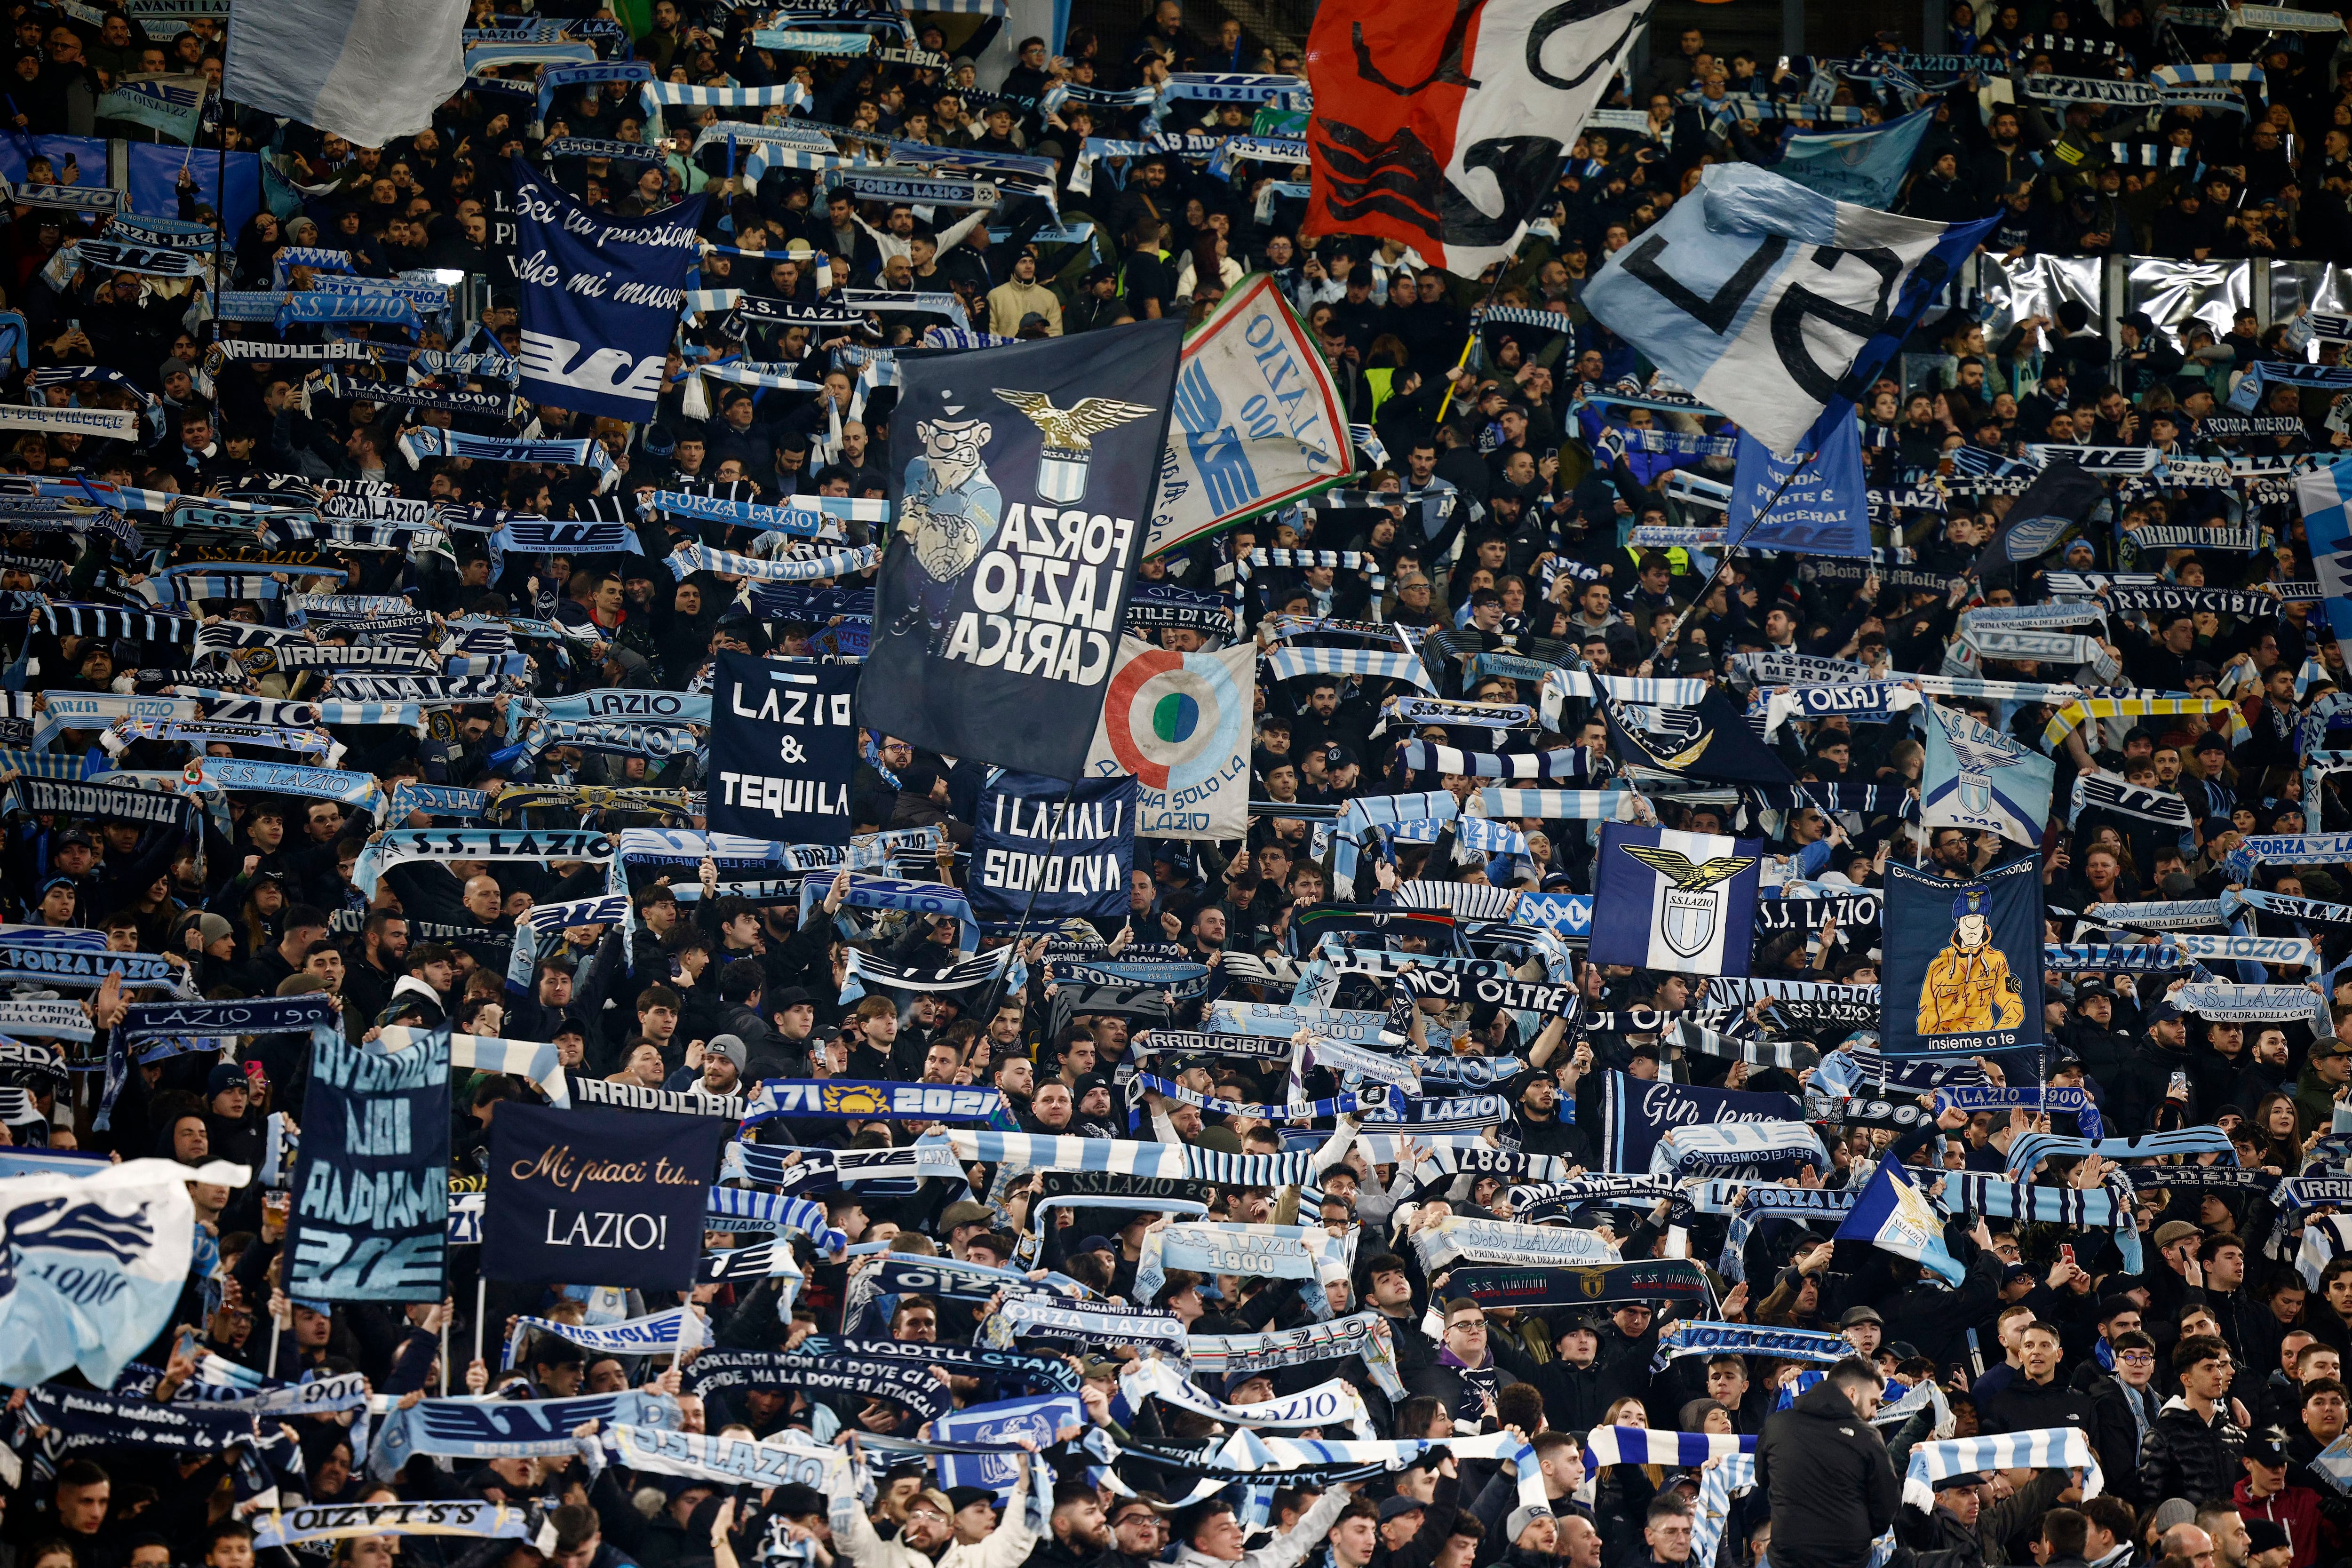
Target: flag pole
x,y
1020,932
220,182
1478,316
1674,634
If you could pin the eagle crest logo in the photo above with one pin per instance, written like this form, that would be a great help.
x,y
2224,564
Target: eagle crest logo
x,y
1069,436
1692,908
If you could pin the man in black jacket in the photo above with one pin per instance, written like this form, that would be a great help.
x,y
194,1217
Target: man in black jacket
x,y
1832,1487
2038,1399
2194,1452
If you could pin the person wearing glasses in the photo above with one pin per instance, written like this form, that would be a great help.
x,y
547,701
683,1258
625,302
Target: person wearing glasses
x,y
2124,1404
1464,1377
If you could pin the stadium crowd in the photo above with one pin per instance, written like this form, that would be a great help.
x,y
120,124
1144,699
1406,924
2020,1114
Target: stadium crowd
x,y
1544,512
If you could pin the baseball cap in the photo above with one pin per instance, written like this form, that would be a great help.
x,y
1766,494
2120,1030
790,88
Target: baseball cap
x,y
1865,1315
2330,1047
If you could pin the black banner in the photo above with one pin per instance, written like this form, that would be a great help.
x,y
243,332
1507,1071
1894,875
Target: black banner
x,y
820,1377
107,803
1555,1285
1022,507
1852,912
370,1219
783,747
1052,850
597,1197
1115,1184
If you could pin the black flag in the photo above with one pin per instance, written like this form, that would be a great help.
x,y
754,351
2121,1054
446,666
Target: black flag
x,y
783,747
1022,514
2038,520
1711,741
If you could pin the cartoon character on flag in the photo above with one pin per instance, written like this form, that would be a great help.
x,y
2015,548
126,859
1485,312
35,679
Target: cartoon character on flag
x,y
1969,988
950,513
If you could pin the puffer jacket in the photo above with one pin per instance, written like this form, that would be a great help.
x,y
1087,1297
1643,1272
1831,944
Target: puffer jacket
x,y
2189,1457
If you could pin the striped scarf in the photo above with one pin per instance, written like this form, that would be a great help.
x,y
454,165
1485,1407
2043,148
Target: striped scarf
x,y
111,621
1570,763
422,441
1791,1056
537,1061
687,559
1606,1446
1558,804
659,95
2047,1448
1379,811
1717,1485
1362,560
1445,1162
2081,710
2035,1147
1351,1103
735,1208
1049,1152
1471,901
1288,663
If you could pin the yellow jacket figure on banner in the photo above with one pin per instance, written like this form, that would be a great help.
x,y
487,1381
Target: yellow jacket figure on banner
x,y
1969,989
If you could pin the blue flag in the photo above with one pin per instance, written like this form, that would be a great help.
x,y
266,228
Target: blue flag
x,y
1963,963
600,299
1864,166
1893,1216
1001,1422
1672,901
1052,851
91,1266
1824,511
173,105
1772,302
1976,777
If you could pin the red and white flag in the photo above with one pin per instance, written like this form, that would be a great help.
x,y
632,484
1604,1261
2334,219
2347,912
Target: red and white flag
x,y
1445,141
